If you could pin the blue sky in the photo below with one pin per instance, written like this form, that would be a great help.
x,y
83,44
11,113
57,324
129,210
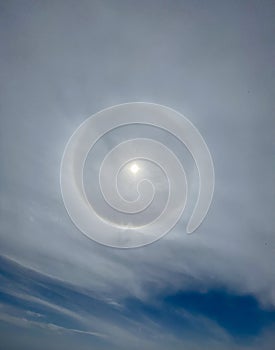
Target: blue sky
x,y
32,303
63,61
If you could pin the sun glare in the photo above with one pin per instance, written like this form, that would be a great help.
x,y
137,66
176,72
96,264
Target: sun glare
x,y
134,168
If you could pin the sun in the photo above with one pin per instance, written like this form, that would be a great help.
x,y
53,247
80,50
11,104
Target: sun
x,y
134,168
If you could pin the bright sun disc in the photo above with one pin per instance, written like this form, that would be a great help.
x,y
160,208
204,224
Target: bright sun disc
x,y
134,168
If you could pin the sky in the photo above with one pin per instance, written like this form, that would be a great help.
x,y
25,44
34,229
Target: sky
x,y
61,62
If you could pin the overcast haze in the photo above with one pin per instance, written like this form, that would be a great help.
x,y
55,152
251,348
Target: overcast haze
x,y
62,61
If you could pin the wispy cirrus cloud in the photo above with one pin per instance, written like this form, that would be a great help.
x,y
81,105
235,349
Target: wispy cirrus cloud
x,y
190,318
61,63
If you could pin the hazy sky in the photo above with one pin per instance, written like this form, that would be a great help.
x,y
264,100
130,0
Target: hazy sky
x,y
62,61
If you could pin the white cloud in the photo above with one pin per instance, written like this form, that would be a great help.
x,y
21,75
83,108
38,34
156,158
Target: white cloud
x,y
50,88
